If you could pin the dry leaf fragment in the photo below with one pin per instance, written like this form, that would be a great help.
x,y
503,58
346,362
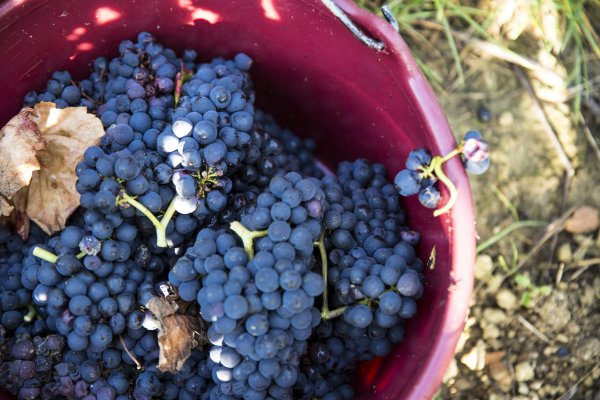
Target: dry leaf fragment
x,y
584,220
51,195
5,207
20,139
178,334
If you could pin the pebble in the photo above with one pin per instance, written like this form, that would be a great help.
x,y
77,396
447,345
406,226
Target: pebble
x,y
484,265
452,371
506,299
491,331
464,384
523,389
494,316
524,372
475,359
536,385
584,220
562,338
555,311
494,357
506,119
500,373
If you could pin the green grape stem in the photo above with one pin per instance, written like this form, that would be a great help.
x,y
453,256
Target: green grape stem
x,y
160,226
247,236
434,169
31,314
45,255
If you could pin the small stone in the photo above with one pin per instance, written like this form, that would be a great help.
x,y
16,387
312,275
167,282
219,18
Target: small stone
x,y
494,316
506,119
589,381
585,219
554,312
524,372
463,384
452,371
564,253
491,332
475,359
506,299
494,357
500,373
484,265
536,385
562,338
494,283
523,389
588,349
549,350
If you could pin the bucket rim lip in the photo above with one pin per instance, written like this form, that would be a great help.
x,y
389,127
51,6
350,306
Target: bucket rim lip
x,y
460,221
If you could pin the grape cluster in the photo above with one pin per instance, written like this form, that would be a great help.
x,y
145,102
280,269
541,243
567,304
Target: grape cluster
x,y
195,196
422,171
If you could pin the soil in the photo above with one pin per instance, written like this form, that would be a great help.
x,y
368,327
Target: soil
x,y
512,347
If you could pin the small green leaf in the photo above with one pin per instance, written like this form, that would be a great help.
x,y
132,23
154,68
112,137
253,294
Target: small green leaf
x,y
523,281
526,299
545,290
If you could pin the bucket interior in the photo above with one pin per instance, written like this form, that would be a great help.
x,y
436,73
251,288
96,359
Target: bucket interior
x,y
316,78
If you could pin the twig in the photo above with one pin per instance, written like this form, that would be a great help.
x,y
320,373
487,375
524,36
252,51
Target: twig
x,y
584,266
549,130
533,329
553,137
137,363
554,227
559,273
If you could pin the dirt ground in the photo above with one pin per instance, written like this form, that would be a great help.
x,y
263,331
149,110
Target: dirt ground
x,y
533,330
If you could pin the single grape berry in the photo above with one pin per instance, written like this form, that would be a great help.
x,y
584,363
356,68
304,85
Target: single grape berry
x,y
475,150
477,168
407,182
429,197
418,158
484,114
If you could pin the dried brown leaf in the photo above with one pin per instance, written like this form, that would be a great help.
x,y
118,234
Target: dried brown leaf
x,y
585,219
68,132
20,139
177,334
5,207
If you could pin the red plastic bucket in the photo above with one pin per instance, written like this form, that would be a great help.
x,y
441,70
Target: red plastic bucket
x,y
317,78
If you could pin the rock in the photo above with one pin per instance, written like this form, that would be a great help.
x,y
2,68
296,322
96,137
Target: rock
x,y
562,338
494,316
491,331
463,384
475,359
564,253
484,265
524,371
523,389
452,371
554,312
588,349
494,357
494,283
501,375
585,219
506,299
506,119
